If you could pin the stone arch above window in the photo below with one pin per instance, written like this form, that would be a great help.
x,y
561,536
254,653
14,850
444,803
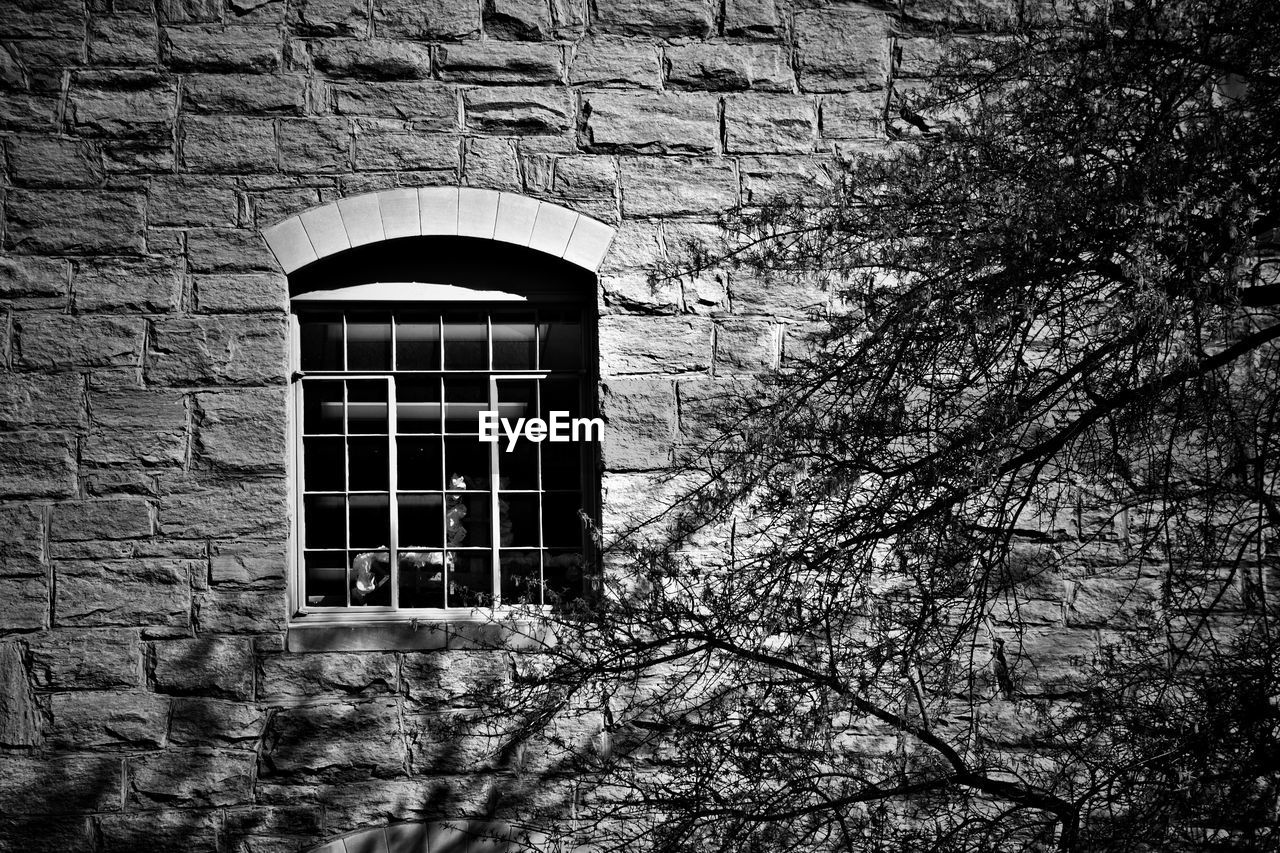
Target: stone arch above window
x,y
438,211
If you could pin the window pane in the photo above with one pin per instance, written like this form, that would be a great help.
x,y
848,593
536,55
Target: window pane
x,y
561,341
517,520
464,399
418,342
368,464
370,521
518,468
466,345
421,521
418,405
369,342
561,395
421,578
325,519
466,463
467,520
421,464
326,578
470,578
322,407
367,406
561,526
321,344
370,578
562,575
520,577
561,466
324,465
514,340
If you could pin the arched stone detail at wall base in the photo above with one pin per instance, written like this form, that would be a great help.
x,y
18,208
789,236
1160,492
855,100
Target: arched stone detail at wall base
x,y
438,211
459,836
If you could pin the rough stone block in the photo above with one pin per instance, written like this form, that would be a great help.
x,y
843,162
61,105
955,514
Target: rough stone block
x,y
960,11
345,741
190,11
228,250
329,18
241,430
425,19
121,518
641,417
255,94
769,124
773,177
615,62
236,144
122,104
33,277
217,351
99,719
651,123
235,294
640,293
255,508
37,465
22,111
255,50
105,222
670,20
45,834
1049,661
21,540
214,722
20,720
710,407
752,19
729,67
237,611
518,20
314,145
24,603
452,679
192,200
452,743
674,186
137,427
371,60
493,163
429,105
631,345
159,831
92,659
37,400
288,677
50,162
518,110
59,784
129,40
251,564
147,285
502,62
59,342
95,594
387,145
42,19
842,49
191,777
1112,602
794,297
853,115
208,666
745,346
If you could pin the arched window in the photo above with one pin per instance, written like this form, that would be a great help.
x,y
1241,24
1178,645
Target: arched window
x,y
444,390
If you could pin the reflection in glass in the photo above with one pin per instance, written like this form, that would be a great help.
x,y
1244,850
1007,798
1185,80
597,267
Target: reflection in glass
x,y
418,405
561,341
370,521
466,463
367,407
321,342
561,526
464,399
517,520
514,341
421,521
369,342
562,575
470,578
418,342
370,578
326,575
322,407
422,578
520,577
561,465
421,464
466,345
467,520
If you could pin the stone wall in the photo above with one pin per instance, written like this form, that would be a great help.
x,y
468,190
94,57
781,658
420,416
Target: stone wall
x,y
146,698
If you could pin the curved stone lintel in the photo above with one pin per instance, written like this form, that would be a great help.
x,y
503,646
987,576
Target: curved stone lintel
x,y
438,211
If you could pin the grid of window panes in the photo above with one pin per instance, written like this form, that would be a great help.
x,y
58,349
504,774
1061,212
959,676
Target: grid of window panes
x,y
403,505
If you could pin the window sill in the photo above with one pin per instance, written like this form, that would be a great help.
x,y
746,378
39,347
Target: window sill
x,y
399,636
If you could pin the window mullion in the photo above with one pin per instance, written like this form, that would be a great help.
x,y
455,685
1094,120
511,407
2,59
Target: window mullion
x,y
393,485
